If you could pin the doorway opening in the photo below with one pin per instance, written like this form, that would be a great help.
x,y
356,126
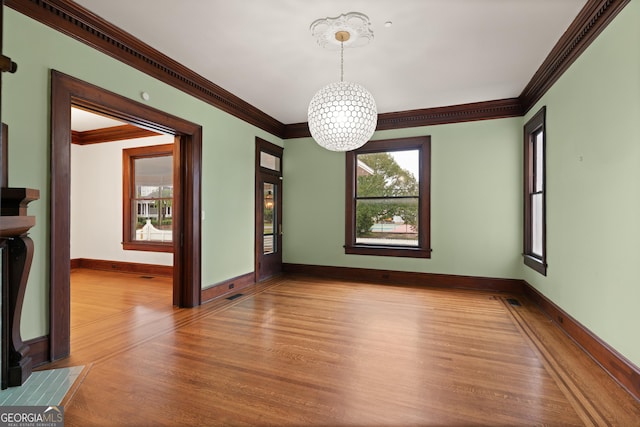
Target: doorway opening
x,y
121,230
67,91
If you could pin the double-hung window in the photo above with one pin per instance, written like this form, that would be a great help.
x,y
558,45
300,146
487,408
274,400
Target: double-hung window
x,y
148,198
387,198
534,194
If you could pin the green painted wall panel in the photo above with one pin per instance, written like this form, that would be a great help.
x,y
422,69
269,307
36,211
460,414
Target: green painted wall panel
x,y
475,202
228,151
593,192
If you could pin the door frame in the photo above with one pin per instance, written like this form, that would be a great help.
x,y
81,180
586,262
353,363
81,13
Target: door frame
x,y
67,91
276,177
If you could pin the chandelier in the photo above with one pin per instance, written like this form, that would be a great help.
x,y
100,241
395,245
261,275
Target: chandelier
x,y
342,116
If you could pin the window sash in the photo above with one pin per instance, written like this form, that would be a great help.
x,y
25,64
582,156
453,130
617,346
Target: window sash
x,y
536,224
153,238
393,231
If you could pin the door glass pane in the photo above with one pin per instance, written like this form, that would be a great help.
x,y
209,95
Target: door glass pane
x,y
269,230
153,200
269,161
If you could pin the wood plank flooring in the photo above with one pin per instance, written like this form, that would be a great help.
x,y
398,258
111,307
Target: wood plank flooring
x,y
304,351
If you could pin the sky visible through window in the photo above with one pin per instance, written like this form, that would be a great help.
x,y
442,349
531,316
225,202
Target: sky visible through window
x,y
407,160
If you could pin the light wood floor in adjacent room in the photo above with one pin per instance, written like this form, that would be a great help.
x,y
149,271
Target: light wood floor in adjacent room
x,y
302,351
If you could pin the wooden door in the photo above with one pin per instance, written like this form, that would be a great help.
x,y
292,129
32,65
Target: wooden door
x,y
268,211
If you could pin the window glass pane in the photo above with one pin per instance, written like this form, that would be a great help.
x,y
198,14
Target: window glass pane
x,y
269,218
154,171
536,224
387,221
153,202
385,174
539,162
269,161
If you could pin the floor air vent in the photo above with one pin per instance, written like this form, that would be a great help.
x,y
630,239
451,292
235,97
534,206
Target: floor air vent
x,y
232,297
146,277
514,302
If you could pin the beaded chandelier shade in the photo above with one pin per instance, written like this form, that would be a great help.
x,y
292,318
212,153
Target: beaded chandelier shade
x,y
342,116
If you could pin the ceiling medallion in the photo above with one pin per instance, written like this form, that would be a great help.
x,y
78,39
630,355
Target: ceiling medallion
x,y
342,116
355,23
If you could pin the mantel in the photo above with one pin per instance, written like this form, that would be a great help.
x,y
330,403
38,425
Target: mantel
x,y
17,257
11,226
15,200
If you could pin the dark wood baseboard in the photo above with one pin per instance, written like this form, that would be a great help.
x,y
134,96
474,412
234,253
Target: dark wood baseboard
x,y
407,278
39,350
229,286
123,267
620,368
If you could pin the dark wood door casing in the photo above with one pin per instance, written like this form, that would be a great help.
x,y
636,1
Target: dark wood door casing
x,y
67,91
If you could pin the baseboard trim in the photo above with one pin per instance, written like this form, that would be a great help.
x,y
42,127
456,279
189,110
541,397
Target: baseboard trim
x,y
39,350
229,286
616,365
407,278
122,267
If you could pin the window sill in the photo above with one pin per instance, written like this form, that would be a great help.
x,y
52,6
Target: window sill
x,y
387,251
147,246
535,263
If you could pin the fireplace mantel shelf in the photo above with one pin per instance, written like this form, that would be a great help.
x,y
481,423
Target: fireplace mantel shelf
x,y
14,227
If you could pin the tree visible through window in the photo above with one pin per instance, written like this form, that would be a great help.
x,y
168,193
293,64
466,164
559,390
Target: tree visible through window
x,y
148,198
388,198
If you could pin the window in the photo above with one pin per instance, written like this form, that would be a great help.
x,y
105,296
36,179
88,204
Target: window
x,y
270,162
534,194
148,198
387,198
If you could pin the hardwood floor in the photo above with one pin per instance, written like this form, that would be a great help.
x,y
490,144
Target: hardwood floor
x,y
304,351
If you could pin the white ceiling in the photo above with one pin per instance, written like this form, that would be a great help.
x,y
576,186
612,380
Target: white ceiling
x,y
436,53
83,120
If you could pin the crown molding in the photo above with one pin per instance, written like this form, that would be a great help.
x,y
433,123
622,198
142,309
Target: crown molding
x,y
110,134
75,21
475,111
592,19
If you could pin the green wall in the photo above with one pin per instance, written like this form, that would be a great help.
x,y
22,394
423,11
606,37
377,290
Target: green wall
x,y
228,151
593,187
593,171
475,202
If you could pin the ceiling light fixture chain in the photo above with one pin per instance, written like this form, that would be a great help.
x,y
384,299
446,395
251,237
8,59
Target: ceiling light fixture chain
x,y
342,36
341,60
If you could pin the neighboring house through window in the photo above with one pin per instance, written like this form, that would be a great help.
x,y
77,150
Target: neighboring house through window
x,y
535,224
148,198
387,198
